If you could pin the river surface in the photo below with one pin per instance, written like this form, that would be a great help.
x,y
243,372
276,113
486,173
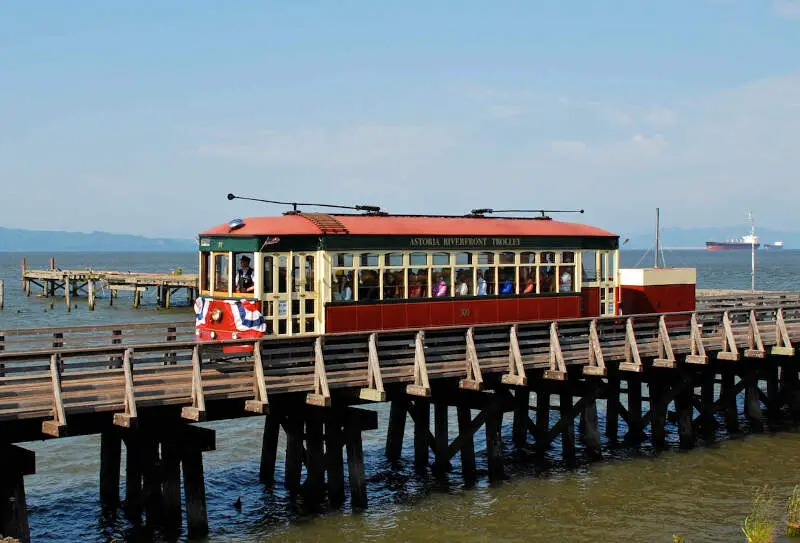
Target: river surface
x,y
632,494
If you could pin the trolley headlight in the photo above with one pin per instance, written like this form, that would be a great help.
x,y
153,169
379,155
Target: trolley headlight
x,y
216,315
234,336
213,334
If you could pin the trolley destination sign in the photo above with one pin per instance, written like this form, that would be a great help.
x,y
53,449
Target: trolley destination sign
x,y
471,242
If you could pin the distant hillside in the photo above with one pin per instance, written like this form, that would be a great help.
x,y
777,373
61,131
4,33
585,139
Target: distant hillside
x,y
697,237
17,240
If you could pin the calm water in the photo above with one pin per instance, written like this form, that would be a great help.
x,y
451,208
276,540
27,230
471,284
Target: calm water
x,y
631,495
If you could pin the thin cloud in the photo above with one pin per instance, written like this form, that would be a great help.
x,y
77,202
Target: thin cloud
x,y
789,9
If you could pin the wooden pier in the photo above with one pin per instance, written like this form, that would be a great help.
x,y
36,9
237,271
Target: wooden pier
x,y
144,387
74,283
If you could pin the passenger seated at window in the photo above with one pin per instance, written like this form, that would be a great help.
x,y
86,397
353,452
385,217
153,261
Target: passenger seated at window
x,y
546,279
566,281
463,288
244,276
346,292
508,286
530,286
368,288
415,289
390,289
441,287
481,285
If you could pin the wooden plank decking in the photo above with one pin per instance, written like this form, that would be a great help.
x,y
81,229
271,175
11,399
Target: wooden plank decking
x,y
51,381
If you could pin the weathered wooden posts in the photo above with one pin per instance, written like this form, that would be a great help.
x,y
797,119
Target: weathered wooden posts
x,y
16,463
156,456
316,437
2,294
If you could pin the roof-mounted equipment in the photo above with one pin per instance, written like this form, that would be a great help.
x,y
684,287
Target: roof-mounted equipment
x,y
543,212
368,209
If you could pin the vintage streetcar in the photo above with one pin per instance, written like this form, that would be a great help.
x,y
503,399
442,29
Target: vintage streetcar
x,y
306,273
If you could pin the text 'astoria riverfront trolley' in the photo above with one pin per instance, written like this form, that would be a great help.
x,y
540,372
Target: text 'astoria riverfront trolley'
x,y
315,273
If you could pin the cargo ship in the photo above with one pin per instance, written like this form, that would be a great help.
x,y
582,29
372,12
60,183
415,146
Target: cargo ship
x,y
778,245
744,243
747,242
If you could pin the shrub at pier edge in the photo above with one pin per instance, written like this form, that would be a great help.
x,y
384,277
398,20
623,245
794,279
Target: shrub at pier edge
x,y
793,513
760,524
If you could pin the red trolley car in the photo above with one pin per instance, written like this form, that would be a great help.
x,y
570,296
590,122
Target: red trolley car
x,y
314,273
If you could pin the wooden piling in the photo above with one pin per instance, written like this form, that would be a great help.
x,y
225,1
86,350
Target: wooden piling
x,y
707,422
494,442
684,409
355,460
772,371
334,445
728,397
790,388
269,449
293,426
396,430
151,481
542,416
522,397
612,405
590,435
90,291
658,391
133,478
171,473
567,423
2,294
17,462
634,396
110,452
441,437
315,460
468,469
752,404
67,293
194,492
422,424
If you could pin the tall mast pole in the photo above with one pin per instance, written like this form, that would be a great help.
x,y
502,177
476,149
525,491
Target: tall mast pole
x,y
752,253
655,252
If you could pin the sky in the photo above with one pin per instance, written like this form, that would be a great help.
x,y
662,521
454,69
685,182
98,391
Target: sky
x,y
139,117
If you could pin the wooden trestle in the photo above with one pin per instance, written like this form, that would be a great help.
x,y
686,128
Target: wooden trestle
x,y
74,283
635,371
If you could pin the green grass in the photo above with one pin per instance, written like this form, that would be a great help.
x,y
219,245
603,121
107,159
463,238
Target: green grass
x,y
761,523
793,513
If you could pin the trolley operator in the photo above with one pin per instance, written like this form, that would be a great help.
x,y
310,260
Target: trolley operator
x,y
244,276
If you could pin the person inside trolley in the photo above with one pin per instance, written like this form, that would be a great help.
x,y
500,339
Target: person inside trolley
x,y
244,276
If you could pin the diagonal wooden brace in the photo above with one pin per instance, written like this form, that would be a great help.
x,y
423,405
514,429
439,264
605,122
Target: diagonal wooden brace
x,y
516,370
558,369
633,362
754,342
783,345
259,403
698,352
374,390
474,380
729,350
197,411
321,397
666,356
421,386
128,418
58,425
597,365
